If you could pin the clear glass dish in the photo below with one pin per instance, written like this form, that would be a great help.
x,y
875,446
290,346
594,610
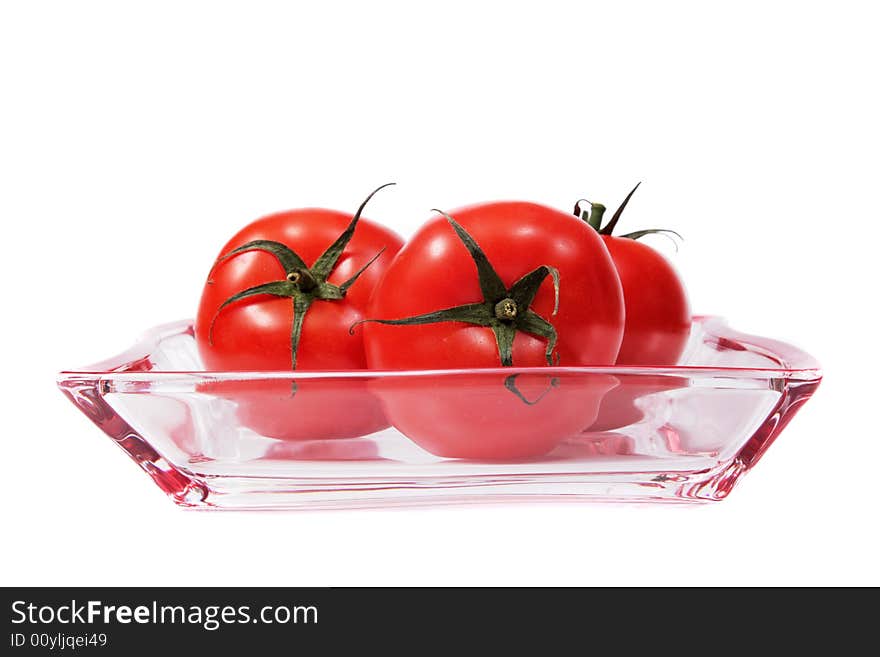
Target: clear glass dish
x,y
274,440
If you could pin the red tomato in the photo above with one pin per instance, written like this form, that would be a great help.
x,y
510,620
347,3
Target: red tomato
x,y
658,316
320,262
658,323
490,270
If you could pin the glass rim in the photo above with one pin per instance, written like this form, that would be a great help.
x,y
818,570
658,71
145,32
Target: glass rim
x,y
793,363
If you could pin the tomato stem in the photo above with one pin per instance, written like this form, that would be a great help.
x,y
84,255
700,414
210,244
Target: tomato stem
x,y
506,309
597,211
303,279
609,228
593,217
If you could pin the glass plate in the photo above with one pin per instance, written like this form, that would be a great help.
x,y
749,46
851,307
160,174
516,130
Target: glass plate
x,y
273,440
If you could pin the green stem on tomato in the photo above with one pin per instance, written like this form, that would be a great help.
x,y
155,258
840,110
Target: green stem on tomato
x,y
593,218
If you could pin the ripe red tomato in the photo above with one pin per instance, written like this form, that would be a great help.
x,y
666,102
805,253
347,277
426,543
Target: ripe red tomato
x,y
282,296
658,323
479,289
658,316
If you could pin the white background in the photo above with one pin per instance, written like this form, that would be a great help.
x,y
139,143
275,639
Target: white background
x,y
135,141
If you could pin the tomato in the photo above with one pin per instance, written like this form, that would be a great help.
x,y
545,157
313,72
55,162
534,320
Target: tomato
x,y
506,284
265,308
658,317
658,323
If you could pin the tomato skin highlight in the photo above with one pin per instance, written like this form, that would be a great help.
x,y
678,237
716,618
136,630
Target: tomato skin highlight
x,y
479,417
658,315
254,334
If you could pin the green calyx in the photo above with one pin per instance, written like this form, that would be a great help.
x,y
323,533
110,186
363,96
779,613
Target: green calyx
x,y
504,310
593,217
302,284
